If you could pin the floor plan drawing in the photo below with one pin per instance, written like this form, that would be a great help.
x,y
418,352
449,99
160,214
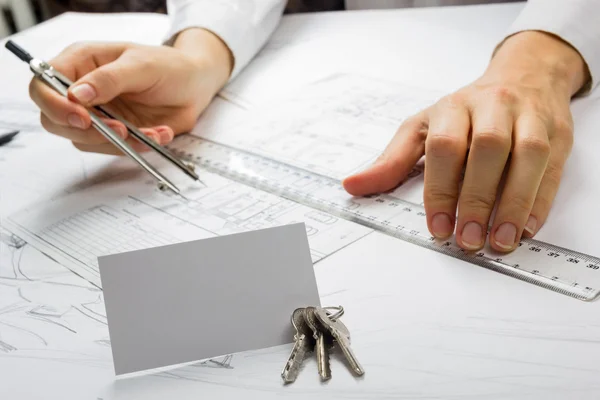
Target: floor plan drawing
x,y
52,302
120,216
334,127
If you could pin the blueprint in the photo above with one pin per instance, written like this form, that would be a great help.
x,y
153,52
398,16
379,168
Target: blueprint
x,y
51,317
44,307
130,213
52,305
334,127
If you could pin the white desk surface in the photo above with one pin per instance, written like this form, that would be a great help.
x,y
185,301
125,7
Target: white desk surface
x,y
425,326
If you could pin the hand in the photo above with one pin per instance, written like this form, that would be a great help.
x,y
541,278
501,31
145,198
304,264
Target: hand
x,y
516,120
160,89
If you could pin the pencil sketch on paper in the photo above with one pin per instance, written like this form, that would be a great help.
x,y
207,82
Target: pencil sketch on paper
x,y
44,305
48,312
190,371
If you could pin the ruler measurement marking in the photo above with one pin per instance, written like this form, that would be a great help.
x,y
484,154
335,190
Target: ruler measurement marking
x,y
405,230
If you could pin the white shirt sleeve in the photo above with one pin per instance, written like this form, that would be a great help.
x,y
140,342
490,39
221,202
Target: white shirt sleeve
x,y
577,22
244,25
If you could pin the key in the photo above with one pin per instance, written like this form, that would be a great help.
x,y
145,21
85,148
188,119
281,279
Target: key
x,y
303,343
323,342
341,334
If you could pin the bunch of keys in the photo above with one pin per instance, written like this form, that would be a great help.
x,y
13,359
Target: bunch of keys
x,y
319,330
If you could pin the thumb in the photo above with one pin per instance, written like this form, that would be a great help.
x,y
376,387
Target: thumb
x,y
397,160
108,81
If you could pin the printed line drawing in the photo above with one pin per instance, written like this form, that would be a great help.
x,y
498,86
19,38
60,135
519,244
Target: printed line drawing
x,y
39,321
37,314
92,222
334,127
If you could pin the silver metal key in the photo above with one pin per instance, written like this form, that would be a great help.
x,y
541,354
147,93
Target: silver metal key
x,y
303,343
323,342
341,334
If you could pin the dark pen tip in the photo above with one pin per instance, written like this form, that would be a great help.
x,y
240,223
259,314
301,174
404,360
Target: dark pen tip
x,y
7,137
18,51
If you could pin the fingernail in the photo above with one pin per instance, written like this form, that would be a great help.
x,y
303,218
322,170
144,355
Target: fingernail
x,y
166,135
441,224
472,235
531,224
154,136
84,92
506,235
75,121
121,130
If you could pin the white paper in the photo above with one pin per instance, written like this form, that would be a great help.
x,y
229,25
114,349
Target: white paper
x,y
128,212
339,125
334,127
200,299
490,335
423,325
436,49
46,311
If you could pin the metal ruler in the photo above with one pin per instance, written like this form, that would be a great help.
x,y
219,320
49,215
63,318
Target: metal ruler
x,y
543,264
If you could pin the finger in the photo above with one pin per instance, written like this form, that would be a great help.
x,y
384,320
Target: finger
x,y
445,151
73,62
108,81
165,133
397,160
531,150
559,152
109,148
490,147
57,108
88,136
80,58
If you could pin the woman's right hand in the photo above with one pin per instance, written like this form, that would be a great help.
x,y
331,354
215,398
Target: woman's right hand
x,y
162,90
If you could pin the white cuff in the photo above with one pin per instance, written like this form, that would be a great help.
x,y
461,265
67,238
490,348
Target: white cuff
x,y
574,21
243,25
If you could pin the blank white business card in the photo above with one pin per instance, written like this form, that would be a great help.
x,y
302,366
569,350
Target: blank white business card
x,y
196,300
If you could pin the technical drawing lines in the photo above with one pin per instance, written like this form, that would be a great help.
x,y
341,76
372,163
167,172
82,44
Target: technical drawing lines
x,y
98,231
334,127
220,362
188,372
5,347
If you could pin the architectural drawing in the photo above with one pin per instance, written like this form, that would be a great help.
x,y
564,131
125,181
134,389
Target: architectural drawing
x,y
49,313
334,127
44,306
126,214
